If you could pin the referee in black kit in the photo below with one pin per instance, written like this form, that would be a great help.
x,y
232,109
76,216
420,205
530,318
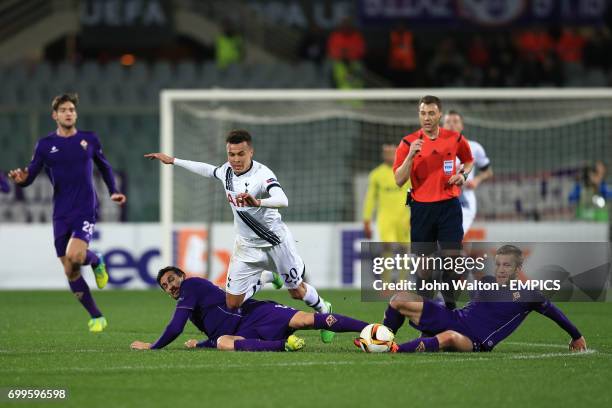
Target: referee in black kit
x,y
427,158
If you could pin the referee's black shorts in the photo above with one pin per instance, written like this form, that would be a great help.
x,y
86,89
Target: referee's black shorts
x,y
440,221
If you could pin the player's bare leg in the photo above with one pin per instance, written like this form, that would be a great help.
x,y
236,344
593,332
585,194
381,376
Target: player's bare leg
x,y
76,253
452,340
234,302
447,340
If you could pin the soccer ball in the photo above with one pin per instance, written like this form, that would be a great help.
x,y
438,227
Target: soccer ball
x,y
376,338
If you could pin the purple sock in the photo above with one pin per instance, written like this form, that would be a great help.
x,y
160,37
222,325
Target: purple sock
x,y
91,259
337,323
393,319
259,345
419,345
81,290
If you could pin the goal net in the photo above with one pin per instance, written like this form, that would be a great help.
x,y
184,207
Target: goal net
x,y
322,143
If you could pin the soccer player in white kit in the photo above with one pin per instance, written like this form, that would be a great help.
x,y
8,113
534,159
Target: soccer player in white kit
x,y
263,242
453,120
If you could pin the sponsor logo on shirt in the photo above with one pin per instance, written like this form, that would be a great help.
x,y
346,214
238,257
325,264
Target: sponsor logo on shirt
x,y
448,166
330,320
54,150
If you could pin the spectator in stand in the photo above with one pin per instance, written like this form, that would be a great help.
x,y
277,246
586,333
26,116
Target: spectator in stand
x,y
346,49
229,47
501,70
570,45
448,65
402,57
346,43
313,44
478,52
479,58
347,74
534,47
535,44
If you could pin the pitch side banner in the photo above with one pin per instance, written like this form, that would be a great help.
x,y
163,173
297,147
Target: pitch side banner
x,y
484,13
332,252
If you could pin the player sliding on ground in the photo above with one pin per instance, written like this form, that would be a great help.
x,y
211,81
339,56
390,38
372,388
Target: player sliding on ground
x,y
67,156
263,241
257,326
482,323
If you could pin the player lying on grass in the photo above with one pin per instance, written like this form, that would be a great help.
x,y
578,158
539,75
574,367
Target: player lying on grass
x,y
482,323
255,326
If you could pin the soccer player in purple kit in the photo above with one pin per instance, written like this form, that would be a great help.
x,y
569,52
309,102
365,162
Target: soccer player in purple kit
x,y
255,326
67,155
482,323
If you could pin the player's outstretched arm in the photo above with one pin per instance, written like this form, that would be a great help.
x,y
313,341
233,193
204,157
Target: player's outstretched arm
x,y
19,176
551,311
107,173
162,157
203,169
26,176
193,343
578,344
173,330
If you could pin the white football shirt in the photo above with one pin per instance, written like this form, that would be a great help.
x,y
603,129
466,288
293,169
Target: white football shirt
x,y
255,226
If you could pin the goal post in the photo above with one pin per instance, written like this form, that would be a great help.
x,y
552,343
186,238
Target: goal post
x,y
304,130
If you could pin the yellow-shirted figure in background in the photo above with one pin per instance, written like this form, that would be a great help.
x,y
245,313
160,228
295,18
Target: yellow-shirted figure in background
x,y
389,201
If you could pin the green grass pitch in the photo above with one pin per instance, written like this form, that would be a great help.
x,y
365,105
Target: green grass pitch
x,y
44,342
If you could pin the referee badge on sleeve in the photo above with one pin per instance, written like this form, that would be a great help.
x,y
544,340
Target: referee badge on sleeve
x,y
448,166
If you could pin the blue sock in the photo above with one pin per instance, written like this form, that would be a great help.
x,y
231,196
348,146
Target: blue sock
x,y
420,345
337,323
91,259
81,290
393,319
259,345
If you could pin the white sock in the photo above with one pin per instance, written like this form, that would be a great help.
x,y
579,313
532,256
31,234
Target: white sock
x,y
312,299
266,277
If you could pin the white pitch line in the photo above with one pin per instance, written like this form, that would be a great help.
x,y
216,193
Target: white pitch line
x,y
302,363
520,343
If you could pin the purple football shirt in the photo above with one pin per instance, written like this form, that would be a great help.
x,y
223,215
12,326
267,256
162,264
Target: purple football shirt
x,y
68,161
204,304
